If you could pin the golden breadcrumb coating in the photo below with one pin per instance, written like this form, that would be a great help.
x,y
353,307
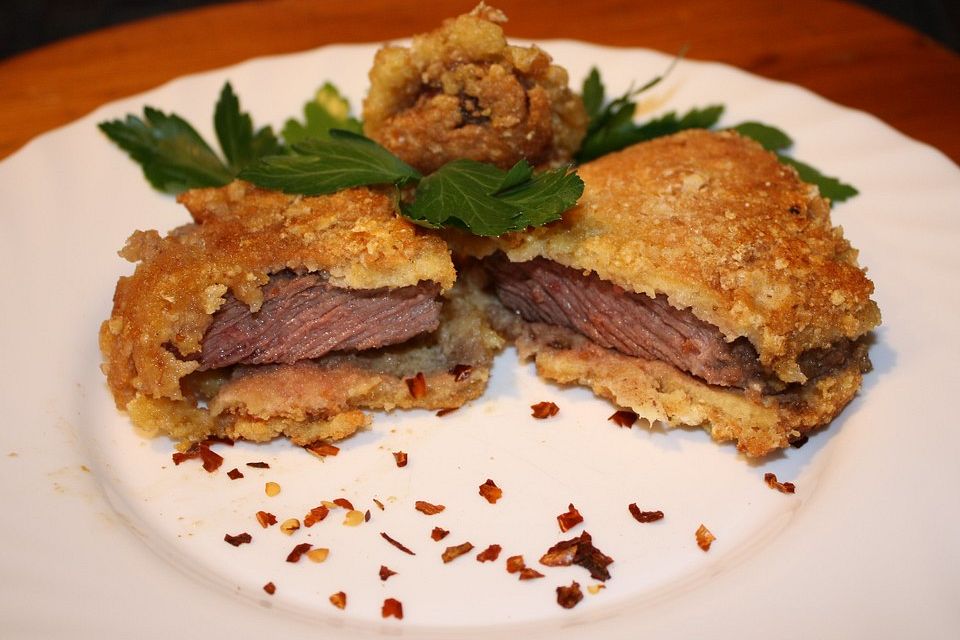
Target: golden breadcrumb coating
x,y
720,226
322,399
462,92
245,234
654,390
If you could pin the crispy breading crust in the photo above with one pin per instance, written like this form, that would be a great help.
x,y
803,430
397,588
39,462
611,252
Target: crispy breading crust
x,y
247,234
758,424
322,399
717,224
461,91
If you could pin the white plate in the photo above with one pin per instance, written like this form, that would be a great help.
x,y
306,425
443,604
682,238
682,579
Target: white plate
x,y
102,535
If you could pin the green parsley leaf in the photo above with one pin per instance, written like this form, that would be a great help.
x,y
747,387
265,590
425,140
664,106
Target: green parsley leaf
x,y
611,128
518,174
318,166
173,155
328,110
771,138
545,196
488,201
830,187
460,194
622,132
234,128
593,93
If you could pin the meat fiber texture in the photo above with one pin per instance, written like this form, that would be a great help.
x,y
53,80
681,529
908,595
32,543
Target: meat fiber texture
x,y
244,234
632,323
719,226
303,317
462,92
657,391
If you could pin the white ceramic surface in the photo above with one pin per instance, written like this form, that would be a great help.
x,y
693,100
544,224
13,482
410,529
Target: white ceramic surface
x,y
103,536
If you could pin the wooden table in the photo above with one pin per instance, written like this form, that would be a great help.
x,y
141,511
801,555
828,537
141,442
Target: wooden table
x,y
841,51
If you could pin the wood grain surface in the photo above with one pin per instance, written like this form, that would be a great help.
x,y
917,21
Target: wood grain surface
x,y
846,53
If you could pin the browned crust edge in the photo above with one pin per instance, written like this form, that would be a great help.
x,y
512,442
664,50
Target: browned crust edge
x,y
657,391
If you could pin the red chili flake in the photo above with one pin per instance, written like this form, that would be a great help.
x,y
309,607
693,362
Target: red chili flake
x,y
190,454
183,456
529,574
452,553
258,465
782,487
211,460
579,551
417,386
322,449
266,519
438,534
644,516
392,607
317,514
270,588
400,457
343,502
515,564
339,600
366,516
299,550
378,503
444,412
543,410
395,543
234,474
704,538
568,597
623,418
461,372
491,491
570,519
386,573
489,554
427,508
239,539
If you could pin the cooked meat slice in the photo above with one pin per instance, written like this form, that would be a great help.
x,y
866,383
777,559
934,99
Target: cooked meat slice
x,y
634,324
303,317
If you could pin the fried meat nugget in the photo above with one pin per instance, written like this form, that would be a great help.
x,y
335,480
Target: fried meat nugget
x,y
462,92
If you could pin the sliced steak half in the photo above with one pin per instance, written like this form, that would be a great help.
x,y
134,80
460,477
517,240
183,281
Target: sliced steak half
x,y
635,324
303,317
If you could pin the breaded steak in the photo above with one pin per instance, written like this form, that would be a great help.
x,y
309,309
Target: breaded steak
x,y
352,290
698,281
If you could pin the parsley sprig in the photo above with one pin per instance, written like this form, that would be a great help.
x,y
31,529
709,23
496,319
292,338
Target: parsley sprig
x,y
328,110
488,201
326,153
612,127
474,196
342,160
174,157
